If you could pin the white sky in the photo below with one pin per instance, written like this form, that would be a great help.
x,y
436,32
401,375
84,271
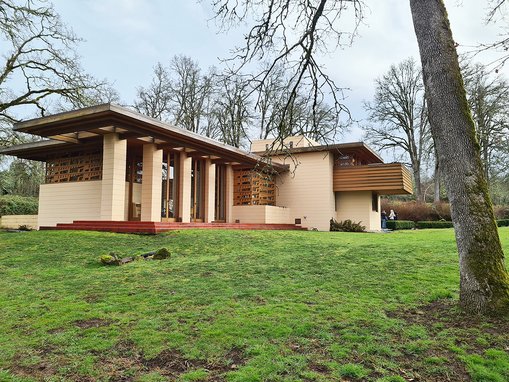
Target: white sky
x,y
124,39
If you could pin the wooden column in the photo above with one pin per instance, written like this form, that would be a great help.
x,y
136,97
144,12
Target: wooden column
x,y
210,191
185,187
151,183
113,178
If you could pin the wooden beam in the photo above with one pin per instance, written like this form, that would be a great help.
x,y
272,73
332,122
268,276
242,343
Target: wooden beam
x,y
65,138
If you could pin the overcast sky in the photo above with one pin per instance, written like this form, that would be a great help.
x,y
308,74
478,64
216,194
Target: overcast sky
x,y
124,39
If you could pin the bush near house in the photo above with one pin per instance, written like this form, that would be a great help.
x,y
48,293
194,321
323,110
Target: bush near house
x,y
18,205
346,226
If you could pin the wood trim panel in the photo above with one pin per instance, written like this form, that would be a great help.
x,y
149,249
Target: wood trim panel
x,y
253,188
75,167
386,179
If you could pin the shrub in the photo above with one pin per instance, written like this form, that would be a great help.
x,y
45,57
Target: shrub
x,y
501,212
418,211
346,226
433,224
503,222
18,205
400,224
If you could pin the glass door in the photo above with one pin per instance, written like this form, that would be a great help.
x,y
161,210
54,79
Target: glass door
x,y
169,195
197,189
220,199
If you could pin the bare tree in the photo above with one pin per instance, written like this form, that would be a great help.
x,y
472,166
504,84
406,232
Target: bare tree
x,y
231,110
291,34
484,286
497,14
399,118
190,92
269,94
155,99
488,98
40,66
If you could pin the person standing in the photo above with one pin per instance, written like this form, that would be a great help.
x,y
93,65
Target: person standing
x,y
384,219
392,215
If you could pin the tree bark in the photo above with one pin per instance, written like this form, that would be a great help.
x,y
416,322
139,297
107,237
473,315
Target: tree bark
x,y
484,282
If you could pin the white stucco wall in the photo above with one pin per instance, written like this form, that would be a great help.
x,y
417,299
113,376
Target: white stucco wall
x,y
308,192
65,202
262,214
356,206
14,221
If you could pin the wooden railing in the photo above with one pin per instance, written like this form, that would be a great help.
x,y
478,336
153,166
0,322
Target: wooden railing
x,y
384,178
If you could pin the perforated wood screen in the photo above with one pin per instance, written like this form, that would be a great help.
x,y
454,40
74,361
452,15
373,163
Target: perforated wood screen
x,y
253,188
75,167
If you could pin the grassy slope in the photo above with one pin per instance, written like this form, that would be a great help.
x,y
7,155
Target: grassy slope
x,y
240,306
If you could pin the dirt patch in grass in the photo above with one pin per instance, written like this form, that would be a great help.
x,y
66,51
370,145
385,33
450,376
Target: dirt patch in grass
x,y
447,312
128,362
92,323
444,316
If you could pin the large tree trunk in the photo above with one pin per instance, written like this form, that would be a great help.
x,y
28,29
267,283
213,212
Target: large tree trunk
x,y
484,282
418,185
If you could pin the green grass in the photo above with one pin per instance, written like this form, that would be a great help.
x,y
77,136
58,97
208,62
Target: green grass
x,y
241,306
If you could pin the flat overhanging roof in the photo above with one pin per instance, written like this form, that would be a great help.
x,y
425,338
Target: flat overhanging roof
x,y
359,148
86,125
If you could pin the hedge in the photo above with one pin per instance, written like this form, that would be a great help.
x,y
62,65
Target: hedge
x,y
18,205
408,224
503,222
400,224
433,224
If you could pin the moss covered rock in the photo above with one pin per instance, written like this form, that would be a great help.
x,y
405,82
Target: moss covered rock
x,y
161,254
111,259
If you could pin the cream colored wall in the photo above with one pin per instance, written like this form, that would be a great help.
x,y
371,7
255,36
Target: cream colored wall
x,y
151,183
308,192
356,206
210,191
14,221
184,178
298,141
262,214
65,202
375,218
112,193
228,200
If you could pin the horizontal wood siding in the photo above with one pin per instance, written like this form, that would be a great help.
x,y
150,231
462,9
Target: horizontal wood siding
x,y
387,179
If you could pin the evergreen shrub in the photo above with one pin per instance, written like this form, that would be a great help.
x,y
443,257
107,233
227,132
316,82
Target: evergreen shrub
x,y
400,224
346,226
503,222
433,224
18,205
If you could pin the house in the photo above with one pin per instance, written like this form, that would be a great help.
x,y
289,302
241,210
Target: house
x,y
110,164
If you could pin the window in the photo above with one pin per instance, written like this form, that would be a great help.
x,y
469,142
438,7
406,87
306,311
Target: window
x,y
374,201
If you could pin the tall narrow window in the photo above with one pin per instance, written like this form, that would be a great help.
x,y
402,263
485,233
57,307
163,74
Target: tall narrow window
x,y
374,201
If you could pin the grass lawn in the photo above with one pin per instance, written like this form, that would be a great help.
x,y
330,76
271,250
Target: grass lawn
x,y
242,306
